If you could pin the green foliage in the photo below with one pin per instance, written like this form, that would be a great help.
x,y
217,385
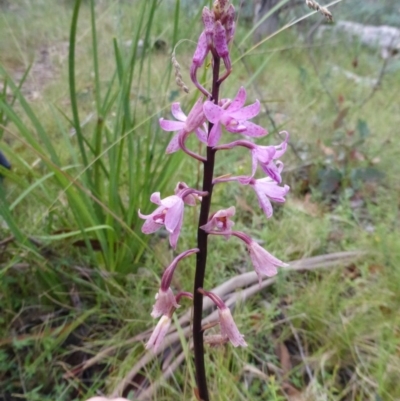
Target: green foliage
x,y
119,160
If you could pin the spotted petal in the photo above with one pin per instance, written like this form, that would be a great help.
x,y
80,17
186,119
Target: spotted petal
x,y
238,101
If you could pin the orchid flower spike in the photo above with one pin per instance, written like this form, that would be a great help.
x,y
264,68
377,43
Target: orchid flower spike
x,y
220,221
165,299
233,116
263,262
227,325
169,213
185,124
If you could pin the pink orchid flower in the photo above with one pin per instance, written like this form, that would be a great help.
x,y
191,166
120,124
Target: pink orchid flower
x,y
220,221
165,298
185,124
263,262
233,116
162,327
266,190
169,213
262,155
227,325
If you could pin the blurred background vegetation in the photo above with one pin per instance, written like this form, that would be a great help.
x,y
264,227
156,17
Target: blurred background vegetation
x,y
82,86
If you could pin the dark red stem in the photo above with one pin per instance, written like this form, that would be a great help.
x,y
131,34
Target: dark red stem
x,y
201,257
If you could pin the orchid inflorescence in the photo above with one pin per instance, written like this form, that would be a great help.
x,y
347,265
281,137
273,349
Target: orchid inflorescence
x,y
208,119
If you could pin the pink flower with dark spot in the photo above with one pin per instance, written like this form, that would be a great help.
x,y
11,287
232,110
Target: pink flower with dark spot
x,y
169,213
185,124
233,116
220,221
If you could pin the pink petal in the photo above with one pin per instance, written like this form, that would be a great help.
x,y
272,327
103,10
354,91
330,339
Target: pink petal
x,y
170,201
165,301
265,153
159,333
174,215
220,42
209,226
150,226
263,261
248,112
253,130
201,135
273,171
281,149
173,145
169,125
155,198
254,162
151,215
215,135
271,189
212,111
173,238
265,204
201,50
229,328
196,116
238,101
265,257
177,112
